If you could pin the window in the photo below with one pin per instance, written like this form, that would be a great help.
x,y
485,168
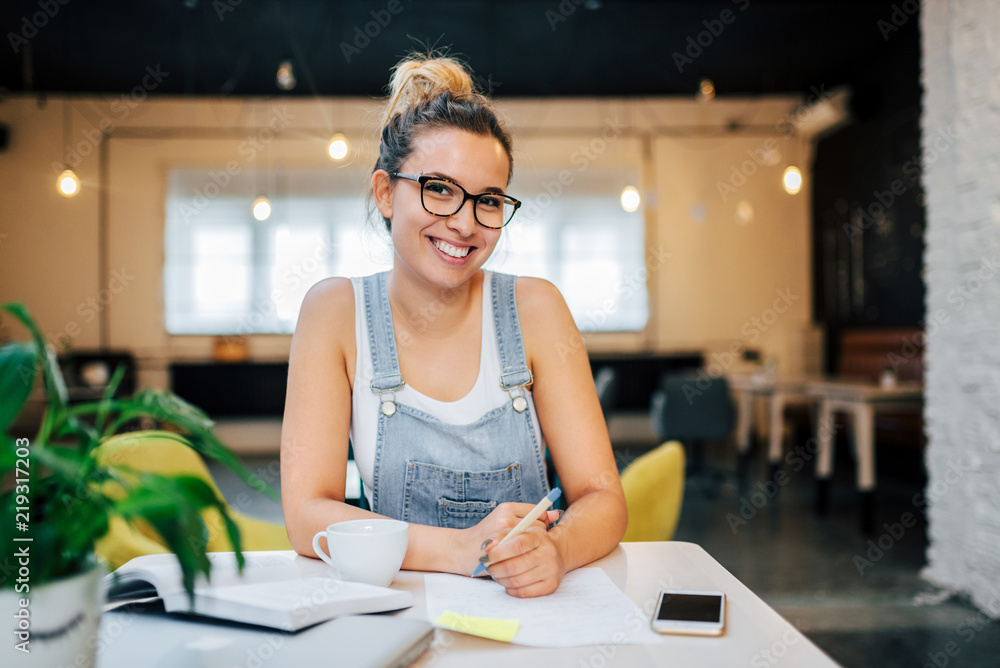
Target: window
x,y
227,273
583,241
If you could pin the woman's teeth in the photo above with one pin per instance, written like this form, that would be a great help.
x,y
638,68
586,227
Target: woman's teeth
x,y
448,249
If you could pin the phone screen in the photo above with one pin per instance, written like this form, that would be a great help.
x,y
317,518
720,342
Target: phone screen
x,y
690,607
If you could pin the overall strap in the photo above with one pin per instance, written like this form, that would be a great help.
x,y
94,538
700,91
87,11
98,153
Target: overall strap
x,y
381,337
514,372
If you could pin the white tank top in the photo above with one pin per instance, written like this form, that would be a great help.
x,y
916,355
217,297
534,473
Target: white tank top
x,y
484,396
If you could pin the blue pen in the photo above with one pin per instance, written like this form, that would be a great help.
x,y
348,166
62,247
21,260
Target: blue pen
x,y
523,525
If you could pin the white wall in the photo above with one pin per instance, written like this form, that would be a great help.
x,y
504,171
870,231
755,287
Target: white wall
x,y
709,276
961,140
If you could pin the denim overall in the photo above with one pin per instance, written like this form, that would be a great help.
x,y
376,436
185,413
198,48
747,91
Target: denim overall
x,y
430,472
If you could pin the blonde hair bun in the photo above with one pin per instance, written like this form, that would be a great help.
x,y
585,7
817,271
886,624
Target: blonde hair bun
x,y
420,77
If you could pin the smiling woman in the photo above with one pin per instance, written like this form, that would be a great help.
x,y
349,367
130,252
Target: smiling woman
x,y
446,378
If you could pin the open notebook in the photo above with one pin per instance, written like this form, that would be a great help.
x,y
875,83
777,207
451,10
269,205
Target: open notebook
x,y
276,589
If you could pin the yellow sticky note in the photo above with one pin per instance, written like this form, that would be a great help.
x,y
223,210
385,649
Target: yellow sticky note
x,y
484,627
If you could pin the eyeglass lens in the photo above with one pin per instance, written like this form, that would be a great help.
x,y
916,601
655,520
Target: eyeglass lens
x,y
444,199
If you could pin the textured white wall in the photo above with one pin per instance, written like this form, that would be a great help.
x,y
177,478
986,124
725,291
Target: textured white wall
x,y
961,140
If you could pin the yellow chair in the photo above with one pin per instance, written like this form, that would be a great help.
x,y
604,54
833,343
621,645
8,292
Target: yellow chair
x,y
160,452
654,491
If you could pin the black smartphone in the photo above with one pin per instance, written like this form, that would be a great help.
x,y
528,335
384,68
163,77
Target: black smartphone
x,y
690,612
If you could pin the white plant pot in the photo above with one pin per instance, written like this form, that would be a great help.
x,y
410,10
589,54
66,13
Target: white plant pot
x,y
59,619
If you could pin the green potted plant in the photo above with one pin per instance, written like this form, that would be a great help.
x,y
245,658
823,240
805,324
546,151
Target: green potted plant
x,y
58,498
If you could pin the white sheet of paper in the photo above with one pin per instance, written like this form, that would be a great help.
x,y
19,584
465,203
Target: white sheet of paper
x,y
586,609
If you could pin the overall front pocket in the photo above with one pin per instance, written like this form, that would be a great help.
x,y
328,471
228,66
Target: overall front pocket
x,y
457,499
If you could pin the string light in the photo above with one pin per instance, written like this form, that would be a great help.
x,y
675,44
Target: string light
x,y
338,147
792,180
68,183
262,208
630,198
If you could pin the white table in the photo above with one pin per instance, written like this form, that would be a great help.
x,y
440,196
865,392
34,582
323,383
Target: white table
x,y
777,392
859,400
755,633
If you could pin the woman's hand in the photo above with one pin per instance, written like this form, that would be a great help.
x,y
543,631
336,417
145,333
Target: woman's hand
x,y
526,565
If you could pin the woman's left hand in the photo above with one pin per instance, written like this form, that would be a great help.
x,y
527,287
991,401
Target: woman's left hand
x,y
528,565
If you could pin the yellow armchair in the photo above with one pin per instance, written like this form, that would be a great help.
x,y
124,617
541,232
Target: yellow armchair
x,y
654,492
160,452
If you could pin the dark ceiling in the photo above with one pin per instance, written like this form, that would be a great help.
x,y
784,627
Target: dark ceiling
x,y
525,48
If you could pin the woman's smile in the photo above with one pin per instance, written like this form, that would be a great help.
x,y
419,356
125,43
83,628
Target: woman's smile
x,y
453,251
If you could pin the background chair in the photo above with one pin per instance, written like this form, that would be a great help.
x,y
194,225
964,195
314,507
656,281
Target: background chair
x,y
654,492
693,408
166,456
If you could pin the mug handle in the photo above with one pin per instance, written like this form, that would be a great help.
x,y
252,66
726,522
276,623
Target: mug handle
x,y
320,553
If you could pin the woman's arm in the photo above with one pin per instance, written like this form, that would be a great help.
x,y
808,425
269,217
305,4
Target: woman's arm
x,y
571,420
314,437
317,419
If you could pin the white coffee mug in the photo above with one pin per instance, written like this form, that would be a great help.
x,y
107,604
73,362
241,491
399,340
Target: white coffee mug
x,y
369,551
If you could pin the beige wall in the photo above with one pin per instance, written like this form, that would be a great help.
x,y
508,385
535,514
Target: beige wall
x,y
717,276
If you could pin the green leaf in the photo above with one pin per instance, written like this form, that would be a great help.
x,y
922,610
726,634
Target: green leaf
x,y
66,464
168,407
105,405
173,505
17,377
55,386
8,454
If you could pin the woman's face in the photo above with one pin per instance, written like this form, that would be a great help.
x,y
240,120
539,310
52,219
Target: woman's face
x,y
445,251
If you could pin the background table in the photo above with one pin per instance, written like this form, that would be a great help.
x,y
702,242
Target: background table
x,y
860,400
755,633
777,392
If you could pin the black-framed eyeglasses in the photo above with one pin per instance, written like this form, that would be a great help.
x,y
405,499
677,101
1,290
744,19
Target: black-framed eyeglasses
x,y
441,197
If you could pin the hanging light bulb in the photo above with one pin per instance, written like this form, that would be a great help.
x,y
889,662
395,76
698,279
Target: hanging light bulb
x,y
337,148
792,180
286,75
262,208
630,198
68,183
706,90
